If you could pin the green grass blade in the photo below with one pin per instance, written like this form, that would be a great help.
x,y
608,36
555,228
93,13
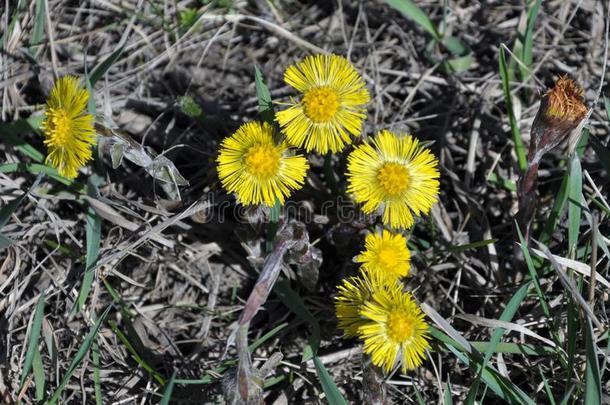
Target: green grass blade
x,y
80,355
101,69
39,23
36,168
593,384
167,394
19,8
507,315
514,125
410,10
559,204
575,206
534,275
528,41
97,385
93,234
602,152
333,396
447,400
134,353
8,209
10,131
547,388
33,340
5,242
295,303
39,374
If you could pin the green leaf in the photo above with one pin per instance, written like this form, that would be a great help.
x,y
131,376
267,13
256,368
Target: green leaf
x,y
507,184
593,384
33,340
265,104
410,10
458,65
514,125
99,71
80,355
455,46
333,396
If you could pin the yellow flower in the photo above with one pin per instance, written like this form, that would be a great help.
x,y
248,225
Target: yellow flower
x,y
67,127
394,175
395,330
332,108
251,165
353,294
386,253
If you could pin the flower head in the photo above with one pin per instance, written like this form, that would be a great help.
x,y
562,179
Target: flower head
x,y
67,127
353,294
561,110
394,174
395,330
332,108
565,101
386,253
251,165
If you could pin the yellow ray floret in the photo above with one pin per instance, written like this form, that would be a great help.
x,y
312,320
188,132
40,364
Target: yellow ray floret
x,y
386,253
394,175
332,108
353,294
252,166
396,330
67,127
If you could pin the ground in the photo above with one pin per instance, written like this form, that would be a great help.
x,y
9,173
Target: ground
x,y
151,317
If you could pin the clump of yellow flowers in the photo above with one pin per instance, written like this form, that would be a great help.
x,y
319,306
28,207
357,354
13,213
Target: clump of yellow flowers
x,y
391,175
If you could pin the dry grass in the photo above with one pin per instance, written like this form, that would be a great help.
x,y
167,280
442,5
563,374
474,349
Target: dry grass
x,y
181,276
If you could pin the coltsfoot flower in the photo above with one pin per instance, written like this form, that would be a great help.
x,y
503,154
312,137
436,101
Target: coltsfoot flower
x,y
252,166
387,254
332,108
68,129
353,294
395,175
395,331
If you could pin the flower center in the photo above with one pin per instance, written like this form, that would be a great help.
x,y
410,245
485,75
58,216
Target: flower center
x,y
59,125
393,178
388,259
262,161
321,104
400,326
